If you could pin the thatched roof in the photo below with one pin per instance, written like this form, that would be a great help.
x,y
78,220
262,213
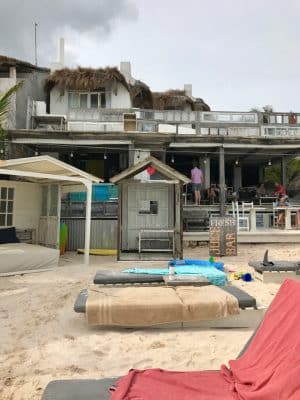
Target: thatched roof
x,y
141,95
85,78
177,100
171,100
200,105
19,64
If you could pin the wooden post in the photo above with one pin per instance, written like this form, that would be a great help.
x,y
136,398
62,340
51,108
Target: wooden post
x,y
222,181
88,213
283,170
178,222
119,228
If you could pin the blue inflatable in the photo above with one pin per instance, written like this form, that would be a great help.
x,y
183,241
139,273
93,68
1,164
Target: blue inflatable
x,y
214,275
199,263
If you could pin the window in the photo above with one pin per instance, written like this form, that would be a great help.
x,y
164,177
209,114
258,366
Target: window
x,y
94,100
83,100
73,100
6,206
148,207
99,99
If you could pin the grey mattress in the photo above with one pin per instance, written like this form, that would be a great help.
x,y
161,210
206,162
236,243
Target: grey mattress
x,y
107,277
275,266
79,389
244,299
22,257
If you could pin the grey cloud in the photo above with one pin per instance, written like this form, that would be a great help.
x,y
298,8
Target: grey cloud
x,y
94,18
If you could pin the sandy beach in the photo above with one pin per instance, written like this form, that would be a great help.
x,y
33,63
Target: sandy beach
x,y
43,339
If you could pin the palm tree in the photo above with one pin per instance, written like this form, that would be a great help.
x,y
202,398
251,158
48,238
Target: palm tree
x,y
4,109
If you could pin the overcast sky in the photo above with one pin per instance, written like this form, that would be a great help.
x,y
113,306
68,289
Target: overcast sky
x,y
238,54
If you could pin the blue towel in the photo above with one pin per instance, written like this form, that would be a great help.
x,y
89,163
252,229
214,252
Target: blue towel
x,y
200,263
212,274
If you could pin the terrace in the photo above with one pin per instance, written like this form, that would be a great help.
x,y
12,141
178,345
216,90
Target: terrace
x,y
199,123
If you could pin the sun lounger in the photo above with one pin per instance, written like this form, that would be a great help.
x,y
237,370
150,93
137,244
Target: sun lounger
x,y
275,271
95,389
107,277
266,369
250,312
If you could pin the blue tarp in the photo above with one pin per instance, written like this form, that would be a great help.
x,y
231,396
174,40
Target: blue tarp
x,y
215,276
200,263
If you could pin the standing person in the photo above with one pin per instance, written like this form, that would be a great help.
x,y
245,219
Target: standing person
x,y
282,202
197,181
279,190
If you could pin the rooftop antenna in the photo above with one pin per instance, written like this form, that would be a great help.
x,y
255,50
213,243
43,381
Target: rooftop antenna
x,y
35,43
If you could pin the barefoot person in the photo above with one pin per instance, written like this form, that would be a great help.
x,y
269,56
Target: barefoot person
x,y
197,181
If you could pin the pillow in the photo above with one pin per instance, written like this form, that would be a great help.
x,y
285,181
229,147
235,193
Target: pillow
x,y
8,235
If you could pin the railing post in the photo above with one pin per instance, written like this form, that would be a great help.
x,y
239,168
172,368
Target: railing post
x,y
222,180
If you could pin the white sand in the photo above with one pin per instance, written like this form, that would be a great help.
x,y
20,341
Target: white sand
x,y
43,339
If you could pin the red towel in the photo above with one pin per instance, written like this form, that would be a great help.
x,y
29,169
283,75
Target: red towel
x,y
268,370
157,384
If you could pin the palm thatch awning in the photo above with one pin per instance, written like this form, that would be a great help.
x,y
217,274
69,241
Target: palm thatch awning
x,y
141,95
177,100
6,62
171,100
85,78
200,105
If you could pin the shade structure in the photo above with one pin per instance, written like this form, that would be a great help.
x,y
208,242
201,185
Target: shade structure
x,y
46,169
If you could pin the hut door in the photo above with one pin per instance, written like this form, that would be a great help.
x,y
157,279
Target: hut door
x,y
50,215
148,206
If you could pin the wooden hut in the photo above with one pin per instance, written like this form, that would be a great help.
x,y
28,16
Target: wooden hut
x,y
150,211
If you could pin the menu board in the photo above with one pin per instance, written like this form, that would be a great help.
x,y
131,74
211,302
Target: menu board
x,y
222,236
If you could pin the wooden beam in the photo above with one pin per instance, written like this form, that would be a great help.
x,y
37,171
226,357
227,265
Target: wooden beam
x,y
222,181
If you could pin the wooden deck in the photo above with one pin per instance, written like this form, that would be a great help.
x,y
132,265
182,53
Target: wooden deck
x,y
258,236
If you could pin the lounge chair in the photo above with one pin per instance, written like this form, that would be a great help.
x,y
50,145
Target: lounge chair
x,y
267,368
275,271
107,277
250,313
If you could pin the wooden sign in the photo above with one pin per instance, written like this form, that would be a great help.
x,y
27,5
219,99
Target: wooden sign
x,y
222,236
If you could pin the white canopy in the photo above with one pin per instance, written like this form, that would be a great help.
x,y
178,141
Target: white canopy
x,y
45,169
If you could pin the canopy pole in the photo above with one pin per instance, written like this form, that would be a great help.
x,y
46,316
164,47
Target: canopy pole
x,y
222,181
88,213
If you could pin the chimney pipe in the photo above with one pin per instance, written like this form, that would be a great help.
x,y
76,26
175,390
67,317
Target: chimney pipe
x,y
61,51
125,69
188,88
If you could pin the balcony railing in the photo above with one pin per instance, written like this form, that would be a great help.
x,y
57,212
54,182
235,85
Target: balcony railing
x,y
235,124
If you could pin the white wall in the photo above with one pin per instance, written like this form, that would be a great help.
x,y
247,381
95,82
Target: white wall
x,y
122,99
59,102
27,204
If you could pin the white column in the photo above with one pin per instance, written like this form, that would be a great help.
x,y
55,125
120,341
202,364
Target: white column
x,y
88,214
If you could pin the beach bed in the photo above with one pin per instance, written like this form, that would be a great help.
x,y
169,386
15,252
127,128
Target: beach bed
x,y
248,312
21,258
108,277
275,271
95,389
268,365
